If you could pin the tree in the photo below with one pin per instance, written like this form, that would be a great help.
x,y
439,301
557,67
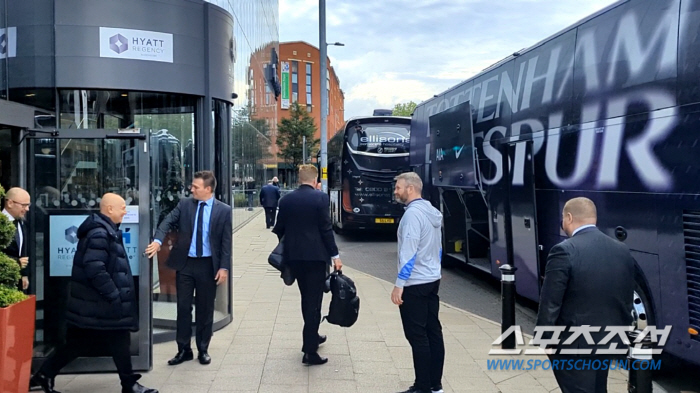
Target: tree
x,y
250,138
290,134
404,109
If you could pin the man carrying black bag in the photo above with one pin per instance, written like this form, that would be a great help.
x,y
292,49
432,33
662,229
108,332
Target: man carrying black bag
x,y
304,221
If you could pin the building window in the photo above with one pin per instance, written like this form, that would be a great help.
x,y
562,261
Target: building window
x,y
308,87
328,94
295,81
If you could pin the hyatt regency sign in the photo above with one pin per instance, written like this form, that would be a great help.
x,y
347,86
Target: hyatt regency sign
x,y
136,44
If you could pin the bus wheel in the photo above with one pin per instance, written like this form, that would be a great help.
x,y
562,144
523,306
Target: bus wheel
x,y
642,310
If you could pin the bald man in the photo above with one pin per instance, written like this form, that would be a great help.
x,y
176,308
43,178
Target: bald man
x,y
589,280
102,305
17,202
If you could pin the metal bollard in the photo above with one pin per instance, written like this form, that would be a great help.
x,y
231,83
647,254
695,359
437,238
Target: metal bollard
x,y
508,304
639,380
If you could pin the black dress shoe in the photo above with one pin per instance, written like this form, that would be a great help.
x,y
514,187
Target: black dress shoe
x,y
182,356
46,384
313,359
204,358
322,339
138,388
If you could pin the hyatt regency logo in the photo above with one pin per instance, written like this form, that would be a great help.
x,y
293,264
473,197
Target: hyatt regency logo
x,y
118,43
72,234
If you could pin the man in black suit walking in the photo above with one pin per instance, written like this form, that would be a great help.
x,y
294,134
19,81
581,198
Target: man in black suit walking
x,y
589,280
202,258
269,197
309,245
17,202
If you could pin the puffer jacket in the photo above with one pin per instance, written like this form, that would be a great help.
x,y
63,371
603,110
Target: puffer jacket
x,y
102,291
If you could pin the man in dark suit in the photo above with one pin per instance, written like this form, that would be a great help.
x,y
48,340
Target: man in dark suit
x,y
269,197
309,245
202,258
17,202
589,280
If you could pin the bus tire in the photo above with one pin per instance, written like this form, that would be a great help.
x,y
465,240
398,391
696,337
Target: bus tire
x,y
643,308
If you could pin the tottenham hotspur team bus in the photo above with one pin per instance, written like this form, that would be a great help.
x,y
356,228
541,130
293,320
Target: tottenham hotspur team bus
x,y
608,109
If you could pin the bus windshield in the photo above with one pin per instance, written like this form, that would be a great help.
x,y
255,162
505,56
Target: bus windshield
x,y
379,138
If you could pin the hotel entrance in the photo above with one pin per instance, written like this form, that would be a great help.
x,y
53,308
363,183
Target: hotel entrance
x,y
69,171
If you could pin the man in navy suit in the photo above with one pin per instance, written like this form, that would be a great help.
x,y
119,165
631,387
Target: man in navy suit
x,y
269,197
589,280
202,258
309,245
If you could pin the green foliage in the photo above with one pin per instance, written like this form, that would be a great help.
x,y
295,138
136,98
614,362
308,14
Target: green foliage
x,y
404,109
7,230
10,296
291,133
9,268
9,271
250,138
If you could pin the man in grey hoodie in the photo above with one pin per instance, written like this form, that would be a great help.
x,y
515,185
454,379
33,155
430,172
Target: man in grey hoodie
x,y
418,282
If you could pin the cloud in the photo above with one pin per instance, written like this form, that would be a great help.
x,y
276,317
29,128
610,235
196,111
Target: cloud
x,y
396,51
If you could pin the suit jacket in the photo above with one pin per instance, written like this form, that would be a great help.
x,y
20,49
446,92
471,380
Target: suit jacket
x,y
13,250
305,222
589,280
269,196
181,219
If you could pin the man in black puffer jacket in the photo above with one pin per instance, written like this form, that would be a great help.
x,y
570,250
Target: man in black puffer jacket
x,y
102,306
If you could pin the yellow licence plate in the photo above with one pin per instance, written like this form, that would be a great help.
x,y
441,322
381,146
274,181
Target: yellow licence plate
x,y
384,220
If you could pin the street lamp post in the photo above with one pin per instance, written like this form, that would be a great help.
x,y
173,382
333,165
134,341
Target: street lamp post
x,y
323,46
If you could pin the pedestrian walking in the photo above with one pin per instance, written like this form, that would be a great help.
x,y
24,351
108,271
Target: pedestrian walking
x,y
309,245
102,305
269,198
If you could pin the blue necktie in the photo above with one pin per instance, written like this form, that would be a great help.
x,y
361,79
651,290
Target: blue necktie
x,y
200,229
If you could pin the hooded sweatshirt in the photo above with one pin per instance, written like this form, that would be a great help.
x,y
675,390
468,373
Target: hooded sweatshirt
x,y
420,244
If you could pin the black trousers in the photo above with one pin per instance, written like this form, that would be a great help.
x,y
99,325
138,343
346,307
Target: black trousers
x,y
270,213
197,276
419,315
93,342
311,278
580,381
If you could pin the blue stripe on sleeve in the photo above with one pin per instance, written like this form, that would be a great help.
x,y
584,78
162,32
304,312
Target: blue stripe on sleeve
x,y
406,270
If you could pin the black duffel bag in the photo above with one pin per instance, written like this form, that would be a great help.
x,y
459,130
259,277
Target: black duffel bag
x,y
276,259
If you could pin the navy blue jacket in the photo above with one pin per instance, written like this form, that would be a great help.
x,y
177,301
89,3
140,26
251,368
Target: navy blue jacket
x,y
304,220
102,291
269,195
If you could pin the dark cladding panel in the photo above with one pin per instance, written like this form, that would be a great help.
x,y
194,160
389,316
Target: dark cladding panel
x,y
33,65
453,148
222,49
78,61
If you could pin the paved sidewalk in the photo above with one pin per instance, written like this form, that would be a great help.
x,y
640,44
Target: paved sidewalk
x,y
260,350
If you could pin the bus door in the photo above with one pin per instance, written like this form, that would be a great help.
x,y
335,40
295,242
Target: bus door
x,y
523,210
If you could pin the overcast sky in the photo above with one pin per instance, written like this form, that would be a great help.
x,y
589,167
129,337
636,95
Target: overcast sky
x,y
408,50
